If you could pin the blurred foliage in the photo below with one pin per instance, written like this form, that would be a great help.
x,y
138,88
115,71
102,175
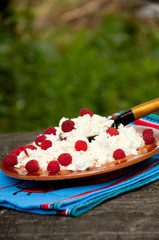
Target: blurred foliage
x,y
55,72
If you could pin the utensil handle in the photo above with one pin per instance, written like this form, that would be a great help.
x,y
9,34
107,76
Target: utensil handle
x,y
145,108
136,113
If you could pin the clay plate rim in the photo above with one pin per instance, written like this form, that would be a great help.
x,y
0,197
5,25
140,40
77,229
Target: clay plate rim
x,y
146,152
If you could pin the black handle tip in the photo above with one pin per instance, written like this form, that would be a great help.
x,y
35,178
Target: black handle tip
x,y
123,118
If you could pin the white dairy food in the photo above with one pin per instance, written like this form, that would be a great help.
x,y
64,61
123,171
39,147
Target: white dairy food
x,y
100,150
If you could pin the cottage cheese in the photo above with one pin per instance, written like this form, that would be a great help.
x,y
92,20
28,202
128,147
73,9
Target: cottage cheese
x,y
100,150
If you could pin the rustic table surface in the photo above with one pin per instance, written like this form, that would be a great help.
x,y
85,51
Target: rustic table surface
x,y
133,215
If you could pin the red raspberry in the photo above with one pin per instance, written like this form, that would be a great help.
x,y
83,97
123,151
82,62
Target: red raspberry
x,y
18,150
147,131
119,154
65,159
10,160
32,147
85,111
32,166
148,138
112,131
46,144
67,126
50,130
53,166
81,145
39,139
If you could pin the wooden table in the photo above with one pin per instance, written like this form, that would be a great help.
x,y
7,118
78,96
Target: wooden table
x,y
133,215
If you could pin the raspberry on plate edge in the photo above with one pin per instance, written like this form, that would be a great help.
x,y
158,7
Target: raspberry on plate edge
x,y
53,166
10,160
118,154
32,166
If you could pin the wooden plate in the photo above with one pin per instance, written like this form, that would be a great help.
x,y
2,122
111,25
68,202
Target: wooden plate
x,y
108,169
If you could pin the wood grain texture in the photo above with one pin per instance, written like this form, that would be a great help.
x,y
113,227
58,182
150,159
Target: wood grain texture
x,y
131,216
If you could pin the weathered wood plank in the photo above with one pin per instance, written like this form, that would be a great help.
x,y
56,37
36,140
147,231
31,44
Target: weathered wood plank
x,y
131,216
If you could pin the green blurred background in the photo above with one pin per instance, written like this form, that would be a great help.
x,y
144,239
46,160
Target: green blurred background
x,y
57,57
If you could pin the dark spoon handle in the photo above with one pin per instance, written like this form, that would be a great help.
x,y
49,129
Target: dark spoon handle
x,y
136,112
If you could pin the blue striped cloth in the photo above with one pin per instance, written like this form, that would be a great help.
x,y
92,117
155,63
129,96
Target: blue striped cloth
x,y
49,198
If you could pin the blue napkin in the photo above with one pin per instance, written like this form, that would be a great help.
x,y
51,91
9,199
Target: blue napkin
x,y
75,199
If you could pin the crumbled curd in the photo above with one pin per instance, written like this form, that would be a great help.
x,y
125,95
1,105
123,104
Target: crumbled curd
x,y
99,151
